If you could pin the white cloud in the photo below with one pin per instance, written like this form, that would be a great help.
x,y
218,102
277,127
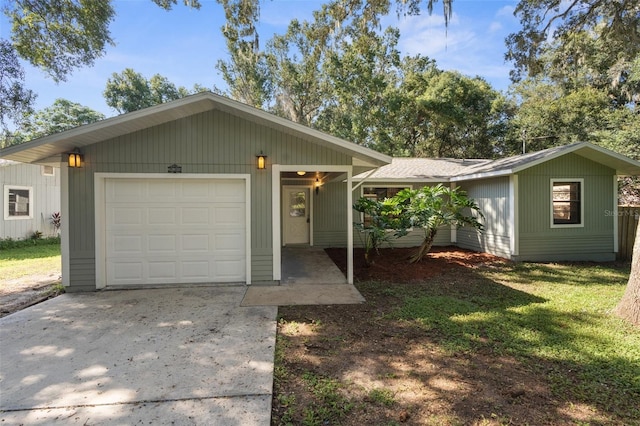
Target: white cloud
x,y
506,11
495,26
471,45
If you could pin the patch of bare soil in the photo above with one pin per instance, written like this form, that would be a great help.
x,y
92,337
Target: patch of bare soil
x,y
392,372
20,293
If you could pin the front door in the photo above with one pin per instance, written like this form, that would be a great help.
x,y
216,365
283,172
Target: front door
x,y
296,215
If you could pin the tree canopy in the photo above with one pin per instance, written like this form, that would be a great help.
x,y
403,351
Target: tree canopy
x,y
16,100
131,91
62,115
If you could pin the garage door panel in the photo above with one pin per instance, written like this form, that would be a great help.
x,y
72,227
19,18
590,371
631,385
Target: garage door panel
x,y
125,190
196,191
195,235
165,270
228,243
229,192
196,270
196,243
162,215
230,270
126,272
162,244
127,244
127,216
229,215
195,215
160,190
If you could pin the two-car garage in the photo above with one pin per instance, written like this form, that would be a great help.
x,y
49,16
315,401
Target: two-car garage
x,y
155,229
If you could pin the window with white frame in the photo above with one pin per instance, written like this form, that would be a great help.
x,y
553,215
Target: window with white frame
x,y
379,193
18,202
567,202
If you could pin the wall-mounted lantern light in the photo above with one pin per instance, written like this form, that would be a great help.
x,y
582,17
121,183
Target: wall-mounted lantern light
x,y
317,185
261,159
75,159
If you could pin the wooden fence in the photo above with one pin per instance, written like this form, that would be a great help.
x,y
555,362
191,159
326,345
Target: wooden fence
x,y
628,218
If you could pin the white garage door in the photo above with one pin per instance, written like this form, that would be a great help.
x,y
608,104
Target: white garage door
x,y
164,231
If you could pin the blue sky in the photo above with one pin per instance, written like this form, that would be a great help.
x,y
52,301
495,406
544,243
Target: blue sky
x,y
185,44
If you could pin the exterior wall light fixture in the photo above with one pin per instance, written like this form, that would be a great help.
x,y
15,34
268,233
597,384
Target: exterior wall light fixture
x,y
75,159
261,160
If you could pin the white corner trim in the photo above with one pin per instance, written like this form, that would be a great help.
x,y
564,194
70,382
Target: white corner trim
x,y
64,224
616,242
276,222
514,231
349,227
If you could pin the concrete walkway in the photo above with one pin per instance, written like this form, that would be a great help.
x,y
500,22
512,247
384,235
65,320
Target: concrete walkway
x,y
158,356
309,277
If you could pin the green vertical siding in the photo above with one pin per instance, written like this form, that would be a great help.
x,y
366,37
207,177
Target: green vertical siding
x,y
538,240
209,142
330,215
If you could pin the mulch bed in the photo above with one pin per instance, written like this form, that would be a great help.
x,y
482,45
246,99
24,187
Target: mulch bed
x,y
392,264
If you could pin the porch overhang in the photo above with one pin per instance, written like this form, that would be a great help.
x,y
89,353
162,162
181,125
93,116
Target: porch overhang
x,y
277,170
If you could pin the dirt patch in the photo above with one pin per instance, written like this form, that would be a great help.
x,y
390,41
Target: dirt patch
x,y
17,294
391,372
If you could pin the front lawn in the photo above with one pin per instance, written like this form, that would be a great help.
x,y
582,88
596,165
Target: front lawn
x,y
476,342
29,258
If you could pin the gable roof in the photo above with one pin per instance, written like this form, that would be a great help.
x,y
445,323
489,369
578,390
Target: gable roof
x,y
48,148
507,166
453,170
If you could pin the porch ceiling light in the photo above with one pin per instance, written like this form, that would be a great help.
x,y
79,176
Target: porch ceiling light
x,y
75,159
301,173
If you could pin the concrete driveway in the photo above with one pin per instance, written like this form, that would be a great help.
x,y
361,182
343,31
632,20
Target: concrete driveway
x,y
158,356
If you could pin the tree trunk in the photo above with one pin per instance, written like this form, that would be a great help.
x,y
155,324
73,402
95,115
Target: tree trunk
x,y
424,247
629,307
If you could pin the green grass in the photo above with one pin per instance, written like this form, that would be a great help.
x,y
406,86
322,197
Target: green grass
x,y
29,259
555,318
330,405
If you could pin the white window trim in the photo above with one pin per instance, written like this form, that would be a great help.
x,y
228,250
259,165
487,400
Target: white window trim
x,y
6,202
373,185
567,225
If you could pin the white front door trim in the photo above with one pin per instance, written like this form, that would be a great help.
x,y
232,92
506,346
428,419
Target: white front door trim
x,y
100,210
